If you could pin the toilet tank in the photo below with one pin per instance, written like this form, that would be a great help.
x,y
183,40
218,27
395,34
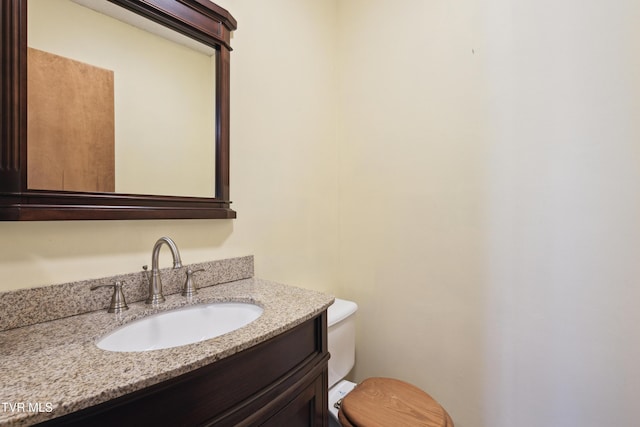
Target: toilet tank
x,y
341,338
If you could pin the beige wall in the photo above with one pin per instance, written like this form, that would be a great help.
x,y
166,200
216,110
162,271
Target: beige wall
x,y
490,196
282,171
415,144
466,171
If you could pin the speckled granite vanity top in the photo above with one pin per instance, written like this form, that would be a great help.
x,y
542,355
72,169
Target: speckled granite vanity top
x,y
54,368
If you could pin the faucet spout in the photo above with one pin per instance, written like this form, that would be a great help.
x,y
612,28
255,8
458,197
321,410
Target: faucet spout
x,y
155,284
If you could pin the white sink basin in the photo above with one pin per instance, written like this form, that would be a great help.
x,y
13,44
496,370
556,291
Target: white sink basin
x,y
181,327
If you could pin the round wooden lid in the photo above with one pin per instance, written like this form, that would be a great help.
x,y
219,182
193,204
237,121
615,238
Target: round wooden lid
x,y
383,402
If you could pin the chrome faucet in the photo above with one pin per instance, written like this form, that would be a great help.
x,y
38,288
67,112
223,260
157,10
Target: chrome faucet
x,y
155,282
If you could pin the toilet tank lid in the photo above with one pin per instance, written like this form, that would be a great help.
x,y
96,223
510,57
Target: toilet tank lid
x,y
340,310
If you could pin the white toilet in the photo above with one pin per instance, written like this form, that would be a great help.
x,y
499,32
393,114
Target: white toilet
x,y
341,340
376,401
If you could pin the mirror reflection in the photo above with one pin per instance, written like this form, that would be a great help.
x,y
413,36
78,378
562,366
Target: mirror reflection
x,y
116,108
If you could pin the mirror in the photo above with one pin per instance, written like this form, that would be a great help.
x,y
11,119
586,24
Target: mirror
x,y
86,83
166,157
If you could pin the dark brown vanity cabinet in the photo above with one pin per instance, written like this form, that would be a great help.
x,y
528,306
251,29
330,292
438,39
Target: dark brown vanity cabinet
x,y
280,382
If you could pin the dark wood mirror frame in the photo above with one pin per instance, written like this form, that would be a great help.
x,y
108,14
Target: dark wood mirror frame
x,y
198,19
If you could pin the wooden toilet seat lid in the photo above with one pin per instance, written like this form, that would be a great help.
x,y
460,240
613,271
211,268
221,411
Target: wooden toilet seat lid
x,y
384,402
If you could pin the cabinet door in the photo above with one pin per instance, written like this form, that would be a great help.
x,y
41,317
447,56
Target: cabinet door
x,y
307,409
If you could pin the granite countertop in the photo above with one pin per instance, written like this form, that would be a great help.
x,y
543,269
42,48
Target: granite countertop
x,y
54,368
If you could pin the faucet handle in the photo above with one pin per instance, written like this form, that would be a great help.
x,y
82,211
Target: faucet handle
x,y
190,289
145,272
118,303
